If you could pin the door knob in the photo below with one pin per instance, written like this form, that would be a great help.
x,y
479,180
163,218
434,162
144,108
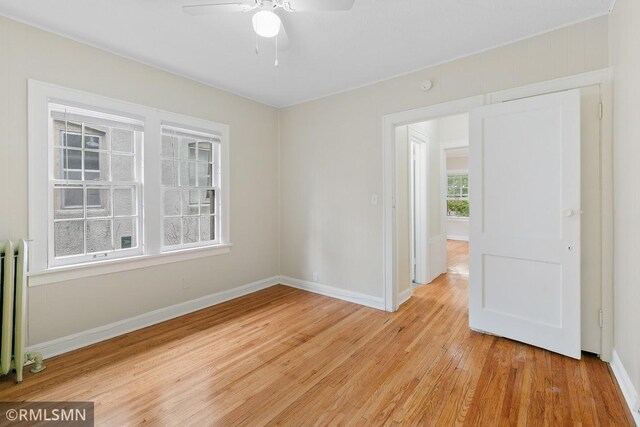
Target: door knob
x,y
568,213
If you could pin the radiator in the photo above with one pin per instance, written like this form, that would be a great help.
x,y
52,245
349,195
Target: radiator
x,y
13,297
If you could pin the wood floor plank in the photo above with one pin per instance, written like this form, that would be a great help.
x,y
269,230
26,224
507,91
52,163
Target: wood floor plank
x,y
283,356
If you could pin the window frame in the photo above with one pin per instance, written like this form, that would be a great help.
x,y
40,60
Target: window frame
x,y
456,173
216,161
149,250
53,183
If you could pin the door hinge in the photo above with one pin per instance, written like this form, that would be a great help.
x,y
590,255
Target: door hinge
x,y
601,318
600,111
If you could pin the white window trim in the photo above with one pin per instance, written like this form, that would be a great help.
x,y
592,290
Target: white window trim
x,y
447,198
39,96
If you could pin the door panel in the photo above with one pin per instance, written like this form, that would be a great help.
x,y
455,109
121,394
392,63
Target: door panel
x,y
525,221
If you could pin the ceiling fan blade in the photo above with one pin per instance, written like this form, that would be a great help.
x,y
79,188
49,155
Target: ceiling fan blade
x,y
314,5
223,6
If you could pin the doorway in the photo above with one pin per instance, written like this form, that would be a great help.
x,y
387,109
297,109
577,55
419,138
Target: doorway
x,y
432,180
595,253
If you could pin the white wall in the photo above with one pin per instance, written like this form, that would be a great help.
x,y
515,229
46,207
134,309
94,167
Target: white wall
x,y
625,58
60,309
331,149
457,163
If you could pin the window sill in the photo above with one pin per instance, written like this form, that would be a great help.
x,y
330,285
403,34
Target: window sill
x,y
458,218
98,268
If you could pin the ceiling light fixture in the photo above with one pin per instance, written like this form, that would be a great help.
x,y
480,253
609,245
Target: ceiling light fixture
x,y
266,23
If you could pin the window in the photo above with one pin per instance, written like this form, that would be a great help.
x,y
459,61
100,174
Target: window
x,y
95,184
190,177
458,195
112,180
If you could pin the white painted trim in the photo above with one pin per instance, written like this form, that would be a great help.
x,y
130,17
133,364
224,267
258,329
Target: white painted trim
x,y
333,292
405,295
557,85
629,392
98,268
102,333
389,123
150,233
419,196
457,237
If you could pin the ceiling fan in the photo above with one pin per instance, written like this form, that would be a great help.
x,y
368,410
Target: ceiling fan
x,y
265,22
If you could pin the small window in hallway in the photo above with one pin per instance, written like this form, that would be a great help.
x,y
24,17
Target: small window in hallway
x,y
458,195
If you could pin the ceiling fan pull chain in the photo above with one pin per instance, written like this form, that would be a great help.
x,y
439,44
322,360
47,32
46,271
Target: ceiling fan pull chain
x,y
257,50
276,51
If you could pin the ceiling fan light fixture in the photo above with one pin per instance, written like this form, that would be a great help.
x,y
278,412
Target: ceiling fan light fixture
x,y
266,23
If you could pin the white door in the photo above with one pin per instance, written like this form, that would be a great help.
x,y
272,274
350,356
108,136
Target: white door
x,y
525,221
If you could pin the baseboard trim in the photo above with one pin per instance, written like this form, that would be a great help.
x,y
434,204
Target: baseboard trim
x,y
626,385
82,339
333,292
404,296
456,237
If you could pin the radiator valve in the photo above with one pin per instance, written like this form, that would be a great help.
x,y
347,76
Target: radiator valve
x,y
38,364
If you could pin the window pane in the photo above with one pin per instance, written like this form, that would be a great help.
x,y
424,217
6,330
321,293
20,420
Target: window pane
x,y
91,160
458,208
188,174
67,133
93,142
170,173
167,145
68,202
171,201
73,159
204,175
189,148
122,168
122,140
124,201
207,228
125,232
204,152
68,238
99,235
98,202
207,202
96,166
189,229
172,231
190,202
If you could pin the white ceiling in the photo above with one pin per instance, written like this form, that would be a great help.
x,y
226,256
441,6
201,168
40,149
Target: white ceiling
x,y
329,52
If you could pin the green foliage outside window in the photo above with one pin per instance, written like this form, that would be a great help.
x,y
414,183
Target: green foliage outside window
x,y
458,208
458,195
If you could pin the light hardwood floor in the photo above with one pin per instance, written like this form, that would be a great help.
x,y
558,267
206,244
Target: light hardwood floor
x,y
287,357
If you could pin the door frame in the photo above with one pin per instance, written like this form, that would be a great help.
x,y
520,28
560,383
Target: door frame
x,y
419,195
601,77
389,124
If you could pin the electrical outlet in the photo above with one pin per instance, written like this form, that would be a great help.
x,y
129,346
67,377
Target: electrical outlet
x,y
315,276
185,284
